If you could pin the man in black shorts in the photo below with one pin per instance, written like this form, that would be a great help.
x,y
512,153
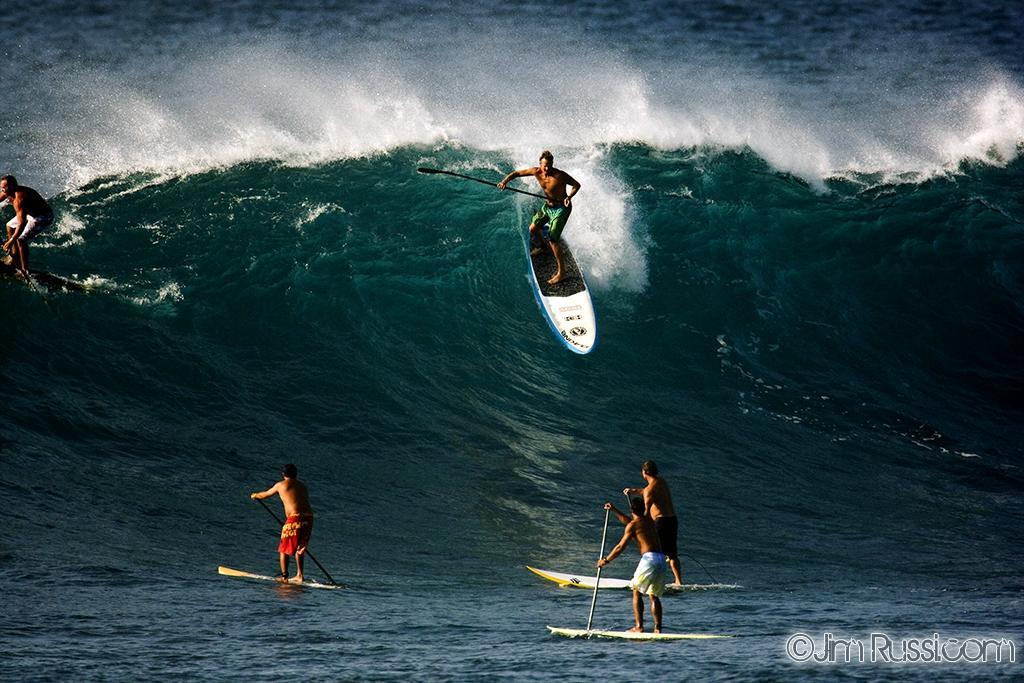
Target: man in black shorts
x,y
659,507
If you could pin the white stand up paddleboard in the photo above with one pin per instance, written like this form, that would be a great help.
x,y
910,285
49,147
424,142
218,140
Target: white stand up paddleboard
x,y
589,632
228,571
629,635
566,306
577,581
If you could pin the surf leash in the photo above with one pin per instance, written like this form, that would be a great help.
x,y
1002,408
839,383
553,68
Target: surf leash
x,y
280,523
479,180
597,584
691,557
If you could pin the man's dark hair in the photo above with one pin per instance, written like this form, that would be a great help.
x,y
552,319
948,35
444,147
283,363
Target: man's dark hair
x,y
636,504
649,468
12,182
290,470
549,156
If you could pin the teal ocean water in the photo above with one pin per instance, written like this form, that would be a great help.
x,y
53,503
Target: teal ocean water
x,y
803,236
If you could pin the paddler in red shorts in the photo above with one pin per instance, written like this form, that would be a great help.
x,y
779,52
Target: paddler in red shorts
x,y
298,523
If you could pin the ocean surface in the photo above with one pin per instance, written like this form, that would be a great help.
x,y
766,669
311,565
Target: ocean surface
x,y
803,228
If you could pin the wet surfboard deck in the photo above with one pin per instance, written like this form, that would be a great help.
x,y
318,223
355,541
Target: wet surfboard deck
x,y
309,583
566,306
579,581
630,635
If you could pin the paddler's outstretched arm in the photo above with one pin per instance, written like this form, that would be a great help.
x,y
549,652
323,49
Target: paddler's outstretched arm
x,y
517,174
265,494
617,550
621,516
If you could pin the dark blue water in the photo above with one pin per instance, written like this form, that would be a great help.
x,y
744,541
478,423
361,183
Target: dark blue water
x,y
802,227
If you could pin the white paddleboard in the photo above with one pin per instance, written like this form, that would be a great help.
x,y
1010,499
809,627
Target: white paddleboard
x,y
629,635
577,581
228,571
566,306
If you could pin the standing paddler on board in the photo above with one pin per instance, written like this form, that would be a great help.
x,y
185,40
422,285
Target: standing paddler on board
x,y
651,571
32,215
298,523
555,213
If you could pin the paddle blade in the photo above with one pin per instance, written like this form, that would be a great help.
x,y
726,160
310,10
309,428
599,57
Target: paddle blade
x,y
428,170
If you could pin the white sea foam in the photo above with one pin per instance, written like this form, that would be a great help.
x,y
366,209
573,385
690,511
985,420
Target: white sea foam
x,y
67,231
314,211
98,282
992,130
226,109
166,294
230,105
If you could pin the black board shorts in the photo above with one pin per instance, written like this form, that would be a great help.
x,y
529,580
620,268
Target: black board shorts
x,y
668,529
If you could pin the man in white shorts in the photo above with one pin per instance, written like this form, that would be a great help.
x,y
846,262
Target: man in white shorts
x,y
32,215
652,570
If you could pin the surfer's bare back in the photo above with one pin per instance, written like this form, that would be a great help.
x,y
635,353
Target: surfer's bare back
x,y
556,212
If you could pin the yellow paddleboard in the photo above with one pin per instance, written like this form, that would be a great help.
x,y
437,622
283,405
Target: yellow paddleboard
x,y
577,581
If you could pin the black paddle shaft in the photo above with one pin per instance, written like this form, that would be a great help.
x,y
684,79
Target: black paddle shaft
x,y
280,523
479,180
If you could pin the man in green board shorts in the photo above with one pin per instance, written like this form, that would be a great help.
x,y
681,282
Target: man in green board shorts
x,y
556,212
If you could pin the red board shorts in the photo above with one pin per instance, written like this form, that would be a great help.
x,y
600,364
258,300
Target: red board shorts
x,y
295,533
